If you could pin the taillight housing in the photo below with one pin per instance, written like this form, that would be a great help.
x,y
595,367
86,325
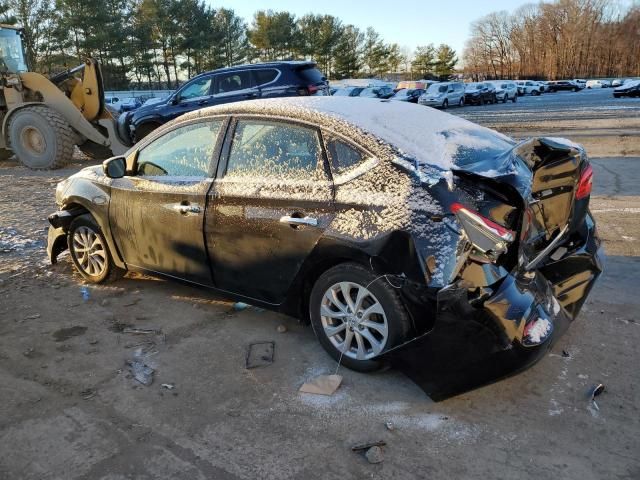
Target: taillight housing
x,y
585,184
309,90
486,236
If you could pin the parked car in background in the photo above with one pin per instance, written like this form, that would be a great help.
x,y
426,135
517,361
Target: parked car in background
x,y
130,104
410,95
581,82
479,93
270,219
112,104
505,90
618,81
348,92
414,85
528,87
598,84
627,89
443,95
233,84
564,85
383,92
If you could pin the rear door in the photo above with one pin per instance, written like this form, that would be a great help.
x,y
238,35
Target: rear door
x,y
268,207
233,87
157,213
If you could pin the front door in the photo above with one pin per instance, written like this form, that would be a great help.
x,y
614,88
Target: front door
x,y
194,95
268,207
157,214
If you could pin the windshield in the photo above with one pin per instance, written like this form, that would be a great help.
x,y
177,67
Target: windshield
x,y
368,92
437,88
11,53
343,92
473,86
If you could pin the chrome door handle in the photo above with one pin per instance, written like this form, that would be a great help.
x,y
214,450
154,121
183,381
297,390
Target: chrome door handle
x,y
295,221
185,209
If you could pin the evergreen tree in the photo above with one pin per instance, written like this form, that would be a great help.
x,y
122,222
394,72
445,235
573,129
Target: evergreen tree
x,y
423,60
348,56
446,60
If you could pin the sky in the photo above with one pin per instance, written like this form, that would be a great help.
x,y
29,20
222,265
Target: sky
x,y
405,23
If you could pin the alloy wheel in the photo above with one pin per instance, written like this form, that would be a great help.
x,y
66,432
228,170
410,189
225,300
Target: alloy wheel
x,y
354,320
90,252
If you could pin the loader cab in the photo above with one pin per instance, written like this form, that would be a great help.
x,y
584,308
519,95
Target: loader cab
x,y
12,55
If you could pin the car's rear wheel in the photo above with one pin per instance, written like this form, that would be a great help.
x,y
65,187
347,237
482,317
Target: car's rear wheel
x,y
445,104
515,98
356,316
461,102
89,251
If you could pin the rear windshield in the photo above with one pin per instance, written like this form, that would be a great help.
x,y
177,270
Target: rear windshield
x,y
311,74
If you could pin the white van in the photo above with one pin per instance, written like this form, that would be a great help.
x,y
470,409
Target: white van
x,y
443,95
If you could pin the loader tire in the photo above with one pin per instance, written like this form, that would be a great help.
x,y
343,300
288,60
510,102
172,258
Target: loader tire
x,y
41,138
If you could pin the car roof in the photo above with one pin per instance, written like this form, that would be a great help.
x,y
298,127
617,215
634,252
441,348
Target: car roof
x,y
258,66
424,134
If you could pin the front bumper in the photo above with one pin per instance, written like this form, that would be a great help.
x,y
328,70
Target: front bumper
x,y
431,103
477,342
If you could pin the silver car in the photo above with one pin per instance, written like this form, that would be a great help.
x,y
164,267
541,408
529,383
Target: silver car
x,y
443,95
505,90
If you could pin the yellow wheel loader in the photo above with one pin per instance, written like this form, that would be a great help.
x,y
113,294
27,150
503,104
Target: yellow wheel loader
x,y
42,119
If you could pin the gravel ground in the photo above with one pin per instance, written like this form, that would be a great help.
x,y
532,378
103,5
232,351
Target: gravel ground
x,y
71,410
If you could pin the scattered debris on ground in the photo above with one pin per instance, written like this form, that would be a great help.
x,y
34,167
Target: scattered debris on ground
x,y
88,393
168,386
374,455
140,371
366,446
281,329
259,354
322,385
65,334
595,391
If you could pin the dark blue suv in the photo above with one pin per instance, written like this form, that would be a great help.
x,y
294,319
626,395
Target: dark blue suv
x,y
243,82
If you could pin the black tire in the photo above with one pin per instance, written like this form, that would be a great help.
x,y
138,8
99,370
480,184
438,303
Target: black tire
x,y
397,319
445,104
574,89
41,138
95,151
515,98
461,102
110,272
144,130
5,154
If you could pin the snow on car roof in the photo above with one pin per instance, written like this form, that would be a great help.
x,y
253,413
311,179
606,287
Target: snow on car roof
x,y
421,133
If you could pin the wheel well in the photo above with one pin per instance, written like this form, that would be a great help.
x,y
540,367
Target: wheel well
x,y
311,277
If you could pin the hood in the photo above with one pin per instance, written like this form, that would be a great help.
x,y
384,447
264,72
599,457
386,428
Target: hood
x,y
628,86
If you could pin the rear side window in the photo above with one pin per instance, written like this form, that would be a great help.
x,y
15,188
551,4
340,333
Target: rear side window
x,y
183,152
265,76
311,75
343,156
273,150
230,82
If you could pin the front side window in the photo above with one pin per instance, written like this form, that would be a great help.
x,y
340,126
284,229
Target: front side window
x,y
273,150
183,152
230,82
198,88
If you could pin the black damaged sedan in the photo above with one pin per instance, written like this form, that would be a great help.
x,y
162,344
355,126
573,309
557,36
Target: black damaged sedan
x,y
375,221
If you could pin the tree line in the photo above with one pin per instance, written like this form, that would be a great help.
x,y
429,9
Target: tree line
x,y
158,43
563,39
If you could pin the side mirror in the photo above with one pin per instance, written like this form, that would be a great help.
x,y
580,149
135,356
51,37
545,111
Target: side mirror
x,y
115,167
175,100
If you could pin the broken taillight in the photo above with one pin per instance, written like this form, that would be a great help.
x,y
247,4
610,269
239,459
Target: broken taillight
x,y
486,236
585,183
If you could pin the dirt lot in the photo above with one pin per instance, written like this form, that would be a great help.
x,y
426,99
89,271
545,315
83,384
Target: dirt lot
x,y
70,410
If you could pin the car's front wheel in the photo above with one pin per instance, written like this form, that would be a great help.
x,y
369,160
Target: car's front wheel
x,y
357,315
89,251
